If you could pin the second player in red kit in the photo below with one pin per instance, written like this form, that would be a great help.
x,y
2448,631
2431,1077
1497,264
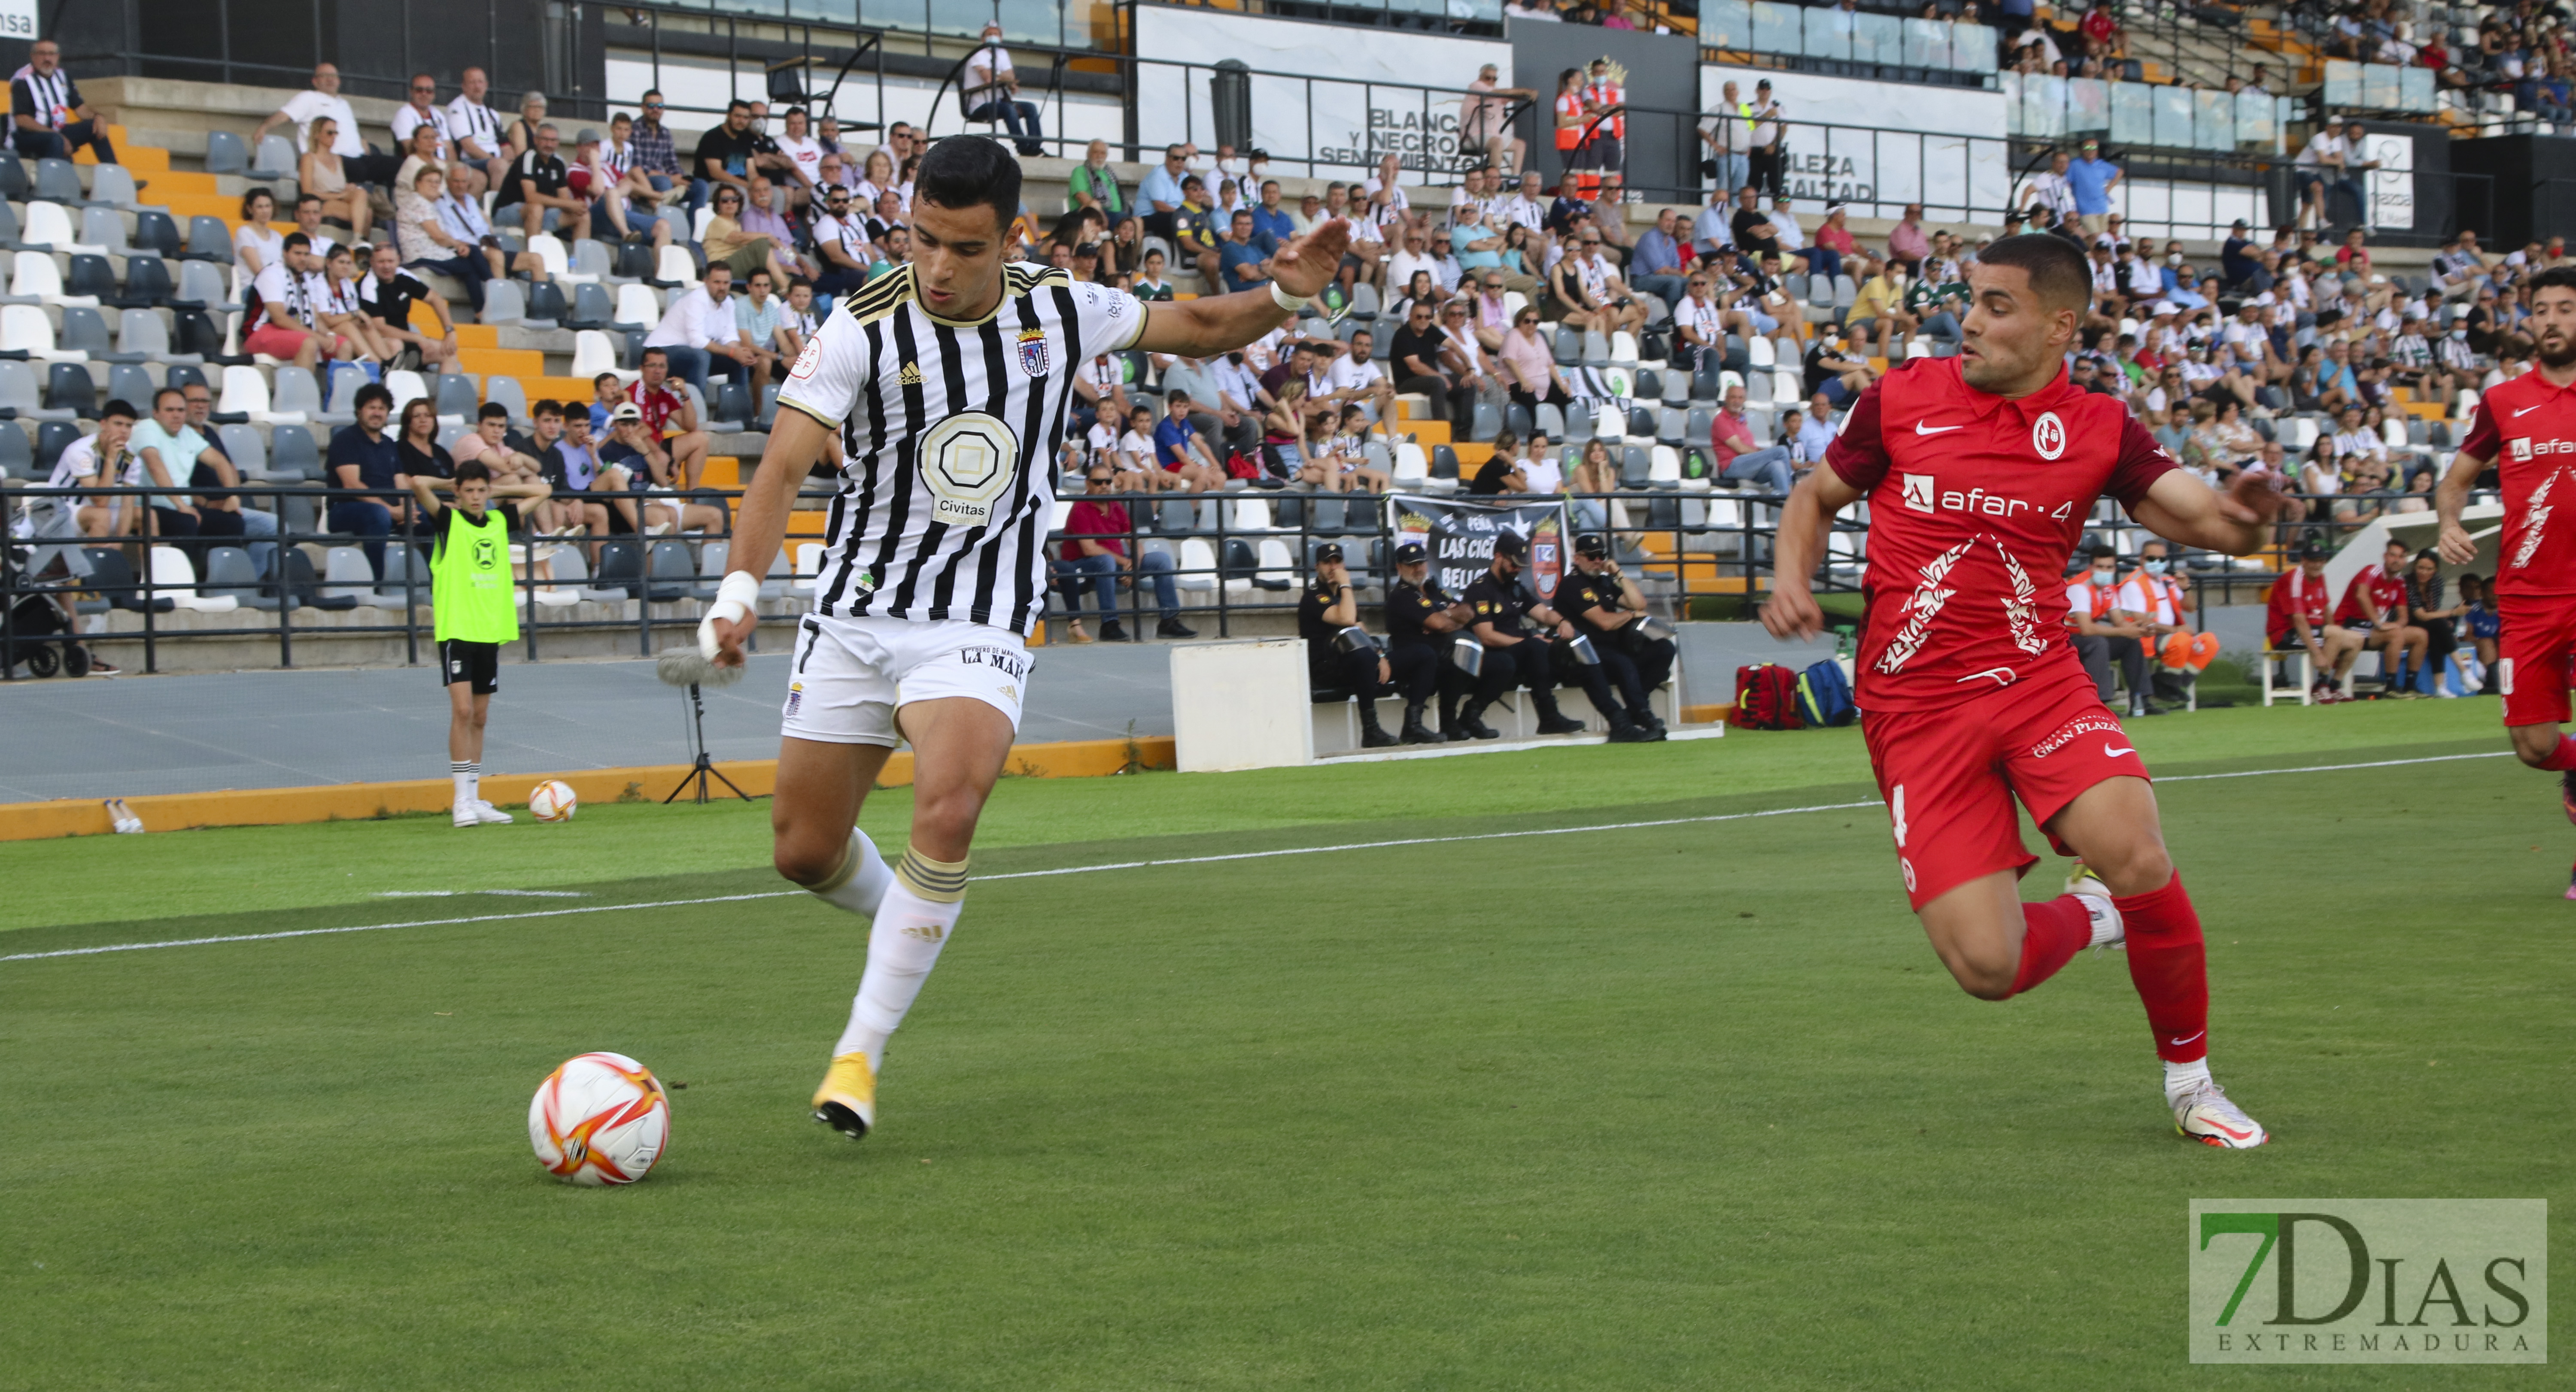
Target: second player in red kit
x,y
2526,430
1980,473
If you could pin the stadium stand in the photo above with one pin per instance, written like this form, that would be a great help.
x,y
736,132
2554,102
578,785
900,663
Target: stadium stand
x,y
2275,332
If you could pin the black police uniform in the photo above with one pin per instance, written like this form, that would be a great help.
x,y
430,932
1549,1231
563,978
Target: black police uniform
x,y
1632,663
1504,604
1328,668
1420,657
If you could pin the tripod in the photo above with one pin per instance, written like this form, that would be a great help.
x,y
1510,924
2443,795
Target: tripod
x,y
701,767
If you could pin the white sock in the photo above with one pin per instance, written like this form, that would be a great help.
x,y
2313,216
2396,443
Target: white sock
x,y
474,781
860,884
915,920
463,775
2179,1077
2106,918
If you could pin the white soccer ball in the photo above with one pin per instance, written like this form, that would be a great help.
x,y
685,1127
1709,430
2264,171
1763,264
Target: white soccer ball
x,y
599,1119
553,801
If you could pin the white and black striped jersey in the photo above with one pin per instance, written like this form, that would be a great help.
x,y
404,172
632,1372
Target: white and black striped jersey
x,y
950,432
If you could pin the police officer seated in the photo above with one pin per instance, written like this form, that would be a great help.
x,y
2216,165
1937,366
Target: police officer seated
x,y
1422,623
1341,658
1515,655
1608,608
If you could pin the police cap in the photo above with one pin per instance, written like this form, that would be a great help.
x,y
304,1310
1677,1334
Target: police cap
x,y
1411,553
1511,545
1591,544
1329,551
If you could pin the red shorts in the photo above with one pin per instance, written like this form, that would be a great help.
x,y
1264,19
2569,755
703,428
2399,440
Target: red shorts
x,y
1950,775
2532,657
274,341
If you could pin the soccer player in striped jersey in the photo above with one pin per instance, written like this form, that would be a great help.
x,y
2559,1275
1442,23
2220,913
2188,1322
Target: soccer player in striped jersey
x,y
949,383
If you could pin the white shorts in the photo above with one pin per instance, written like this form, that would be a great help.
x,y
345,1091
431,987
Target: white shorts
x,y
852,674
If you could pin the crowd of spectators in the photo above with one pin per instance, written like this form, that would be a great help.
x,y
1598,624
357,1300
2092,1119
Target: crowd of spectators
x,y
1454,295
2519,48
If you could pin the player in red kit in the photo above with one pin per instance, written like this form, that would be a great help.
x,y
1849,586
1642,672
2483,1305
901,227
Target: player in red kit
x,y
1980,472
2526,430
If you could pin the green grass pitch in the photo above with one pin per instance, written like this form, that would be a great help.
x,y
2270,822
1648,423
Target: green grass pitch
x,y
1688,1105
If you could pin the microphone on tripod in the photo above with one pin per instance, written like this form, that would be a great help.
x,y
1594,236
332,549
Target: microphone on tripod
x,y
686,667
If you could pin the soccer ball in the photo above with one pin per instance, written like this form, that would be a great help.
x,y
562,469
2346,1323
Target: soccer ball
x,y
553,801
599,1119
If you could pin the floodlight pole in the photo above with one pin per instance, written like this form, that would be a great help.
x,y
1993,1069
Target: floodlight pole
x,y
701,767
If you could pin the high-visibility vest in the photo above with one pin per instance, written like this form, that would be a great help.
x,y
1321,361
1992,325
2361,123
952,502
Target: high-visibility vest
x,y
2100,597
1569,104
1611,94
2165,586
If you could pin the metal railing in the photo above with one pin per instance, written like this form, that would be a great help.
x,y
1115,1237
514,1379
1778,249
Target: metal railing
x,y
273,598
1700,553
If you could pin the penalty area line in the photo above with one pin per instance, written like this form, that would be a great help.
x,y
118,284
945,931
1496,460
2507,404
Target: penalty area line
x,y
1151,864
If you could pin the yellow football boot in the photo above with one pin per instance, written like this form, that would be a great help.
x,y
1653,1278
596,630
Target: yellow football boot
x,y
847,1101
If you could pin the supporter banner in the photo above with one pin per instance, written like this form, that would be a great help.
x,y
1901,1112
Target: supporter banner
x,y
1362,94
1460,534
1881,145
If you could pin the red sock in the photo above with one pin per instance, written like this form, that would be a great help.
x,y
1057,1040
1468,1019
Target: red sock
x,y
2051,934
2563,757
2170,969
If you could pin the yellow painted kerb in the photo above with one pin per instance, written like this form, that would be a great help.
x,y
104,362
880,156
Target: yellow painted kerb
x,y
29,821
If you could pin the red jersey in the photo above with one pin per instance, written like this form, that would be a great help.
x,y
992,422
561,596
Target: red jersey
x,y
1975,503
2387,590
2527,429
2294,595
1104,524
659,406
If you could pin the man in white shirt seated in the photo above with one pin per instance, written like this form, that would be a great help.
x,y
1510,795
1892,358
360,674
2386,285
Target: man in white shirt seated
x,y
474,129
360,164
990,91
840,244
422,110
698,335
1527,205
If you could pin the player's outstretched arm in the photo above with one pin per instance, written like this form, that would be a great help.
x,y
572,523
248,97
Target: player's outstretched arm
x,y
795,442
2186,511
1213,324
1791,610
2449,496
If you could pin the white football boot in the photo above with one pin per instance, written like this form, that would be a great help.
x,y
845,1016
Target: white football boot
x,y
2203,1112
480,813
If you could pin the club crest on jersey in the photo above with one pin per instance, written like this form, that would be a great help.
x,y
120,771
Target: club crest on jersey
x,y
2048,435
1033,352
809,359
967,461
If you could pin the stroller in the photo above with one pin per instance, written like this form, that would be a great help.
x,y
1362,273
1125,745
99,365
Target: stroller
x,y
37,632
39,636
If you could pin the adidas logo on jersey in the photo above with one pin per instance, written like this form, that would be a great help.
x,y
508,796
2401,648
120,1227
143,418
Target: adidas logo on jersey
x,y
911,376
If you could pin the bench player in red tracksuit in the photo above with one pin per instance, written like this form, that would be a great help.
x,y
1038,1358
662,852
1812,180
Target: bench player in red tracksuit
x,y
2526,430
1980,471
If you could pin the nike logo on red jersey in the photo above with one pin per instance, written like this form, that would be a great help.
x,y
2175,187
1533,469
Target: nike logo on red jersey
x,y
2527,410
1925,428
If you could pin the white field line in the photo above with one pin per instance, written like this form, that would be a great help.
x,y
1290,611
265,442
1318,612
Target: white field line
x,y
1148,864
